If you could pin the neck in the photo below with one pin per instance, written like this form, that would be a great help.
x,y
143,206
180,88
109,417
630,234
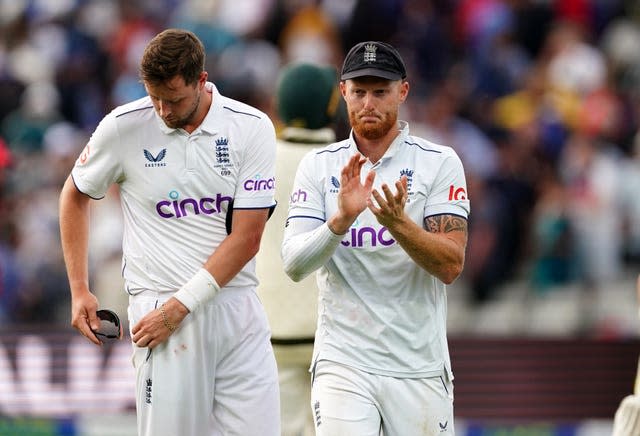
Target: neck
x,y
201,112
374,149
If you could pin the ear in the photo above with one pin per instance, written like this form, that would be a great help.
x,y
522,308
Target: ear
x,y
404,90
203,79
343,88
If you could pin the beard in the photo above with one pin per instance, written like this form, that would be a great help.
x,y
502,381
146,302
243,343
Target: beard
x,y
376,130
178,123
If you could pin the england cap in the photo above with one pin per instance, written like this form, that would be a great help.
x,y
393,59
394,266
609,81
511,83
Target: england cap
x,y
307,95
373,58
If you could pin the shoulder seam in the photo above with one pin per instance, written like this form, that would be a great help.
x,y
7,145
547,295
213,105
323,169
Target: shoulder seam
x,y
134,110
423,148
333,151
240,112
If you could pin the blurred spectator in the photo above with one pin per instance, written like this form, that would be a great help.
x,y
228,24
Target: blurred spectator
x,y
630,205
39,184
574,64
541,116
553,256
24,128
10,274
441,123
590,172
310,35
499,226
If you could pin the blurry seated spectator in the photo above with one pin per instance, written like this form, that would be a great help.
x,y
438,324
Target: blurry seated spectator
x,y
23,129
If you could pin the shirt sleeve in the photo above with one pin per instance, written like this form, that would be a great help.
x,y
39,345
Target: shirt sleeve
x,y
256,188
307,195
308,243
98,166
449,192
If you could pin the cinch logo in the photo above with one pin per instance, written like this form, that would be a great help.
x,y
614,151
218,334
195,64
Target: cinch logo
x,y
359,237
299,195
155,159
180,208
259,184
457,193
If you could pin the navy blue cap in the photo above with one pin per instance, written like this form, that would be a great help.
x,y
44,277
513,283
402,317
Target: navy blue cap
x,y
373,58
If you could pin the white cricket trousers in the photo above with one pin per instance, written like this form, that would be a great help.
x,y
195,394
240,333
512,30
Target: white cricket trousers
x,y
347,402
216,374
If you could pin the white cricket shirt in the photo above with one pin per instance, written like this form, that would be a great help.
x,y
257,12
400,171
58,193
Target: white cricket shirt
x,y
176,188
378,310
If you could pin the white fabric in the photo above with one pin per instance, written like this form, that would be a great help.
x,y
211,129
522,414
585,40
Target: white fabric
x,y
346,402
200,289
306,251
378,311
226,350
291,307
176,188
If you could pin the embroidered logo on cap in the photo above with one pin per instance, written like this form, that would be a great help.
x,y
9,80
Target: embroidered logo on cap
x,y
370,52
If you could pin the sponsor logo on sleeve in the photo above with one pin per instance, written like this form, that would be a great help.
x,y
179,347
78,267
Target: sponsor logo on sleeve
x,y
84,155
299,195
259,184
457,193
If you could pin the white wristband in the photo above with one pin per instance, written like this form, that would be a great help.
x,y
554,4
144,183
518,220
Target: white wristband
x,y
201,288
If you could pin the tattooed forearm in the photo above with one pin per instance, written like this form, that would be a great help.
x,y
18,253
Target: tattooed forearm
x,y
446,224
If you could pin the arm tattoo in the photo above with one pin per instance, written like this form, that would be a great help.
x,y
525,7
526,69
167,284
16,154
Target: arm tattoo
x,y
446,224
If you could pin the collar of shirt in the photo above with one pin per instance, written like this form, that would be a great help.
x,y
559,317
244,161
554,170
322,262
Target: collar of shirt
x,y
403,132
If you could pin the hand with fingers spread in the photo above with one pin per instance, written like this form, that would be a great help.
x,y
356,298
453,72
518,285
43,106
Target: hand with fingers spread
x,y
353,194
390,208
83,315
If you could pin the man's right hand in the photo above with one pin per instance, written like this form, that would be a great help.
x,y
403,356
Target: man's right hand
x,y
353,195
83,315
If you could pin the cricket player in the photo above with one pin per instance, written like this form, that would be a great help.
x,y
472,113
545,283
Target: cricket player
x,y
307,100
195,172
382,216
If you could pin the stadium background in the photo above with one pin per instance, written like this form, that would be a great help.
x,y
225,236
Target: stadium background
x,y
539,97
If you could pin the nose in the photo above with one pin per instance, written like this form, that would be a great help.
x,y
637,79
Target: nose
x,y
164,109
368,101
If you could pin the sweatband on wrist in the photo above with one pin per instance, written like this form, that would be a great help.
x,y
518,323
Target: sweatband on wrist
x,y
201,288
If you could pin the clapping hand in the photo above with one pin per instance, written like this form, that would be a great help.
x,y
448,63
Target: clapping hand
x,y
390,208
353,195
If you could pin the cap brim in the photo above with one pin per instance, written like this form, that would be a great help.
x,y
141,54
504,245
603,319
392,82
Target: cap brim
x,y
375,72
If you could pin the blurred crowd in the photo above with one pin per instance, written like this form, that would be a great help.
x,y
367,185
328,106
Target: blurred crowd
x,y
540,98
